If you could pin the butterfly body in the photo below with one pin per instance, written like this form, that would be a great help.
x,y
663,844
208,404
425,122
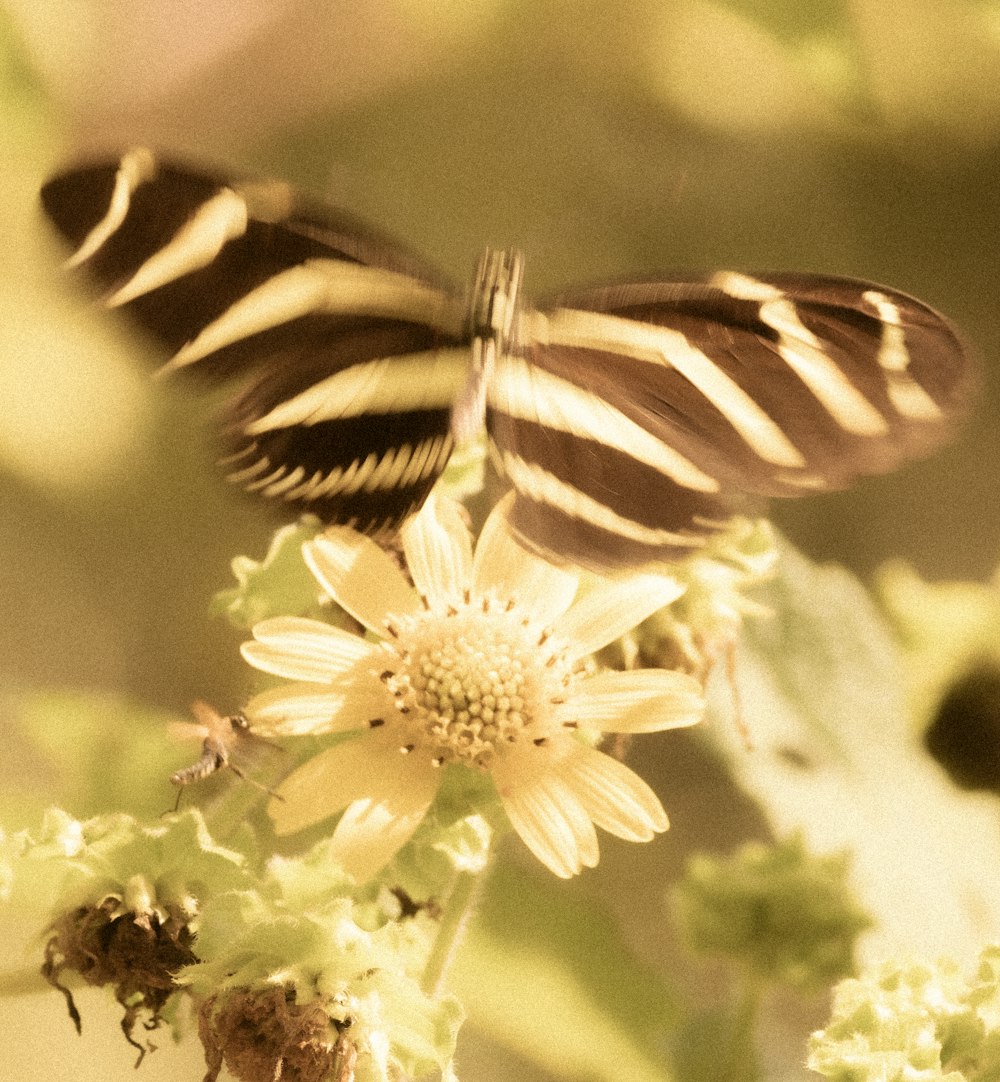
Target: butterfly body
x,y
629,419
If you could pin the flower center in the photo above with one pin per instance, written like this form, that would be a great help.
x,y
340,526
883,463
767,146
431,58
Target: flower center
x,y
474,681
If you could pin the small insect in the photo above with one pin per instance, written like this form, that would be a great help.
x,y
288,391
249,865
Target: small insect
x,y
221,735
631,420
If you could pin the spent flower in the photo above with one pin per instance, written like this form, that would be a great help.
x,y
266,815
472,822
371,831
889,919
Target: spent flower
x,y
128,902
482,663
303,980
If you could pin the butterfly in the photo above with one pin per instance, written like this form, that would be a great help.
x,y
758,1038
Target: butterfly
x,y
630,420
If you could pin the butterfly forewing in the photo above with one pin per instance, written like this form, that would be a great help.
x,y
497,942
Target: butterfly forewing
x,y
631,420
343,353
633,417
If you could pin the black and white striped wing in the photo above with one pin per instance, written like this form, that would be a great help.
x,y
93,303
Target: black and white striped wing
x,y
631,418
343,354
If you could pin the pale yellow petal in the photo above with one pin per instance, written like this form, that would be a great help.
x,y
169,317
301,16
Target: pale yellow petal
x,y
616,798
374,829
507,568
613,607
360,577
360,767
641,701
438,549
321,787
301,649
308,708
547,815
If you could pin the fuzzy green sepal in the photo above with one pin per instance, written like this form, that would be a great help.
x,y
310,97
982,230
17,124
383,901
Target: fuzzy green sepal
x,y
914,1022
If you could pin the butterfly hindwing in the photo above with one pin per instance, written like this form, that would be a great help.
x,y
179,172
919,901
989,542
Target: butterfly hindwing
x,y
342,352
635,416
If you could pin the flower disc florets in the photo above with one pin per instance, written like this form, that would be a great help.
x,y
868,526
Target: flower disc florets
x,y
483,677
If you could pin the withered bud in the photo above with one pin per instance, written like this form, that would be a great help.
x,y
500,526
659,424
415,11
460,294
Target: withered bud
x,y
136,954
262,1034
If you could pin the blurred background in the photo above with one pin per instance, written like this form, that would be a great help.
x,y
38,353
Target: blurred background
x,y
605,138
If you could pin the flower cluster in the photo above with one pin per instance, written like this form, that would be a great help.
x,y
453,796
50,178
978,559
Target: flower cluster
x,y
786,916
914,1022
302,978
453,689
291,970
481,664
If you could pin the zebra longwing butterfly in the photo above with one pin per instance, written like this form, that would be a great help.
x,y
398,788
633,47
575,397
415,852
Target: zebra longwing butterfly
x,y
630,420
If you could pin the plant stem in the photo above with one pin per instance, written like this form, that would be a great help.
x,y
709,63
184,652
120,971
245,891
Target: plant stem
x,y
453,919
739,1062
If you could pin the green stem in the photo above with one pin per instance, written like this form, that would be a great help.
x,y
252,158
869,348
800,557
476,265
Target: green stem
x,y
739,1061
22,982
453,920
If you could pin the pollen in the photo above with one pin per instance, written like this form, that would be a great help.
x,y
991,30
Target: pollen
x,y
473,682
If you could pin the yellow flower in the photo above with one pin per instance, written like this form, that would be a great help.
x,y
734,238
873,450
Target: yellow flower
x,y
484,664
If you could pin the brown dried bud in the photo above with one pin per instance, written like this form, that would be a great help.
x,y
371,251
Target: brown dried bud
x,y
262,1034
136,954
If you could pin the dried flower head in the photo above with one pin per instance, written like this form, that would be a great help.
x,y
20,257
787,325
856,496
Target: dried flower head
x,y
300,980
127,904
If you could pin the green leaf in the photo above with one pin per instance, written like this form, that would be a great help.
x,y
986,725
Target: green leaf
x,y
546,974
834,754
279,585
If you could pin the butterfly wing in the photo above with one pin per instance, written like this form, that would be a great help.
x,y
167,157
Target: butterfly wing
x,y
631,418
341,352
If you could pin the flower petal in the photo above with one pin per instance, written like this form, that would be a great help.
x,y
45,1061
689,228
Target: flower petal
x,y
301,649
365,766
438,549
616,798
310,709
613,607
547,814
360,577
506,567
373,830
640,701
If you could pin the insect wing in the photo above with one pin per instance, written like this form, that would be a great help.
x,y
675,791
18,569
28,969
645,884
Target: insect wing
x,y
342,352
631,418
